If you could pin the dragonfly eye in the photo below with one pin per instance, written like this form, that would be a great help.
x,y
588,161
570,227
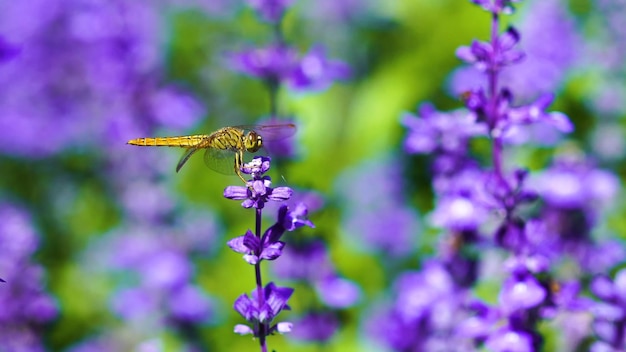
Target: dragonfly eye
x,y
254,142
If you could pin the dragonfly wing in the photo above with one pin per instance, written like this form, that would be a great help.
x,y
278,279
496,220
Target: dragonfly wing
x,y
183,159
220,160
272,132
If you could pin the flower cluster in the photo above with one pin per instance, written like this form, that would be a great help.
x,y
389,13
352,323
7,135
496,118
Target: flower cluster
x,y
488,208
27,307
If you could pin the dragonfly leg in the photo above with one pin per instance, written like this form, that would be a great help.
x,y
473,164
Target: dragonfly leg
x,y
238,163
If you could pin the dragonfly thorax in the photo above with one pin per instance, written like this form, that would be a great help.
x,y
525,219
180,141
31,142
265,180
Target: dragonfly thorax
x,y
253,142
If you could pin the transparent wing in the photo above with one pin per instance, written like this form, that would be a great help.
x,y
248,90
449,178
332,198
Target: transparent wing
x,y
186,155
271,132
220,160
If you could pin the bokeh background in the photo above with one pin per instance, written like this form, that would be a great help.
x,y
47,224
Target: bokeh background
x,y
104,247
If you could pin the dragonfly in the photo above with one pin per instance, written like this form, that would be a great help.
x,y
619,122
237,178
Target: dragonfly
x,y
223,149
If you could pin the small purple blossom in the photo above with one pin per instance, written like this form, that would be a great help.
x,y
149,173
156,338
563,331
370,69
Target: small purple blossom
x,y
315,72
315,326
261,310
487,56
270,10
258,190
497,6
269,246
278,63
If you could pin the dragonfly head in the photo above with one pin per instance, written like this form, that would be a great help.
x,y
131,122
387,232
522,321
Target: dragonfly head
x,y
253,142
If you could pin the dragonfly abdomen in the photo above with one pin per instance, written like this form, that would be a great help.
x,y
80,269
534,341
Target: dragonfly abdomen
x,y
183,141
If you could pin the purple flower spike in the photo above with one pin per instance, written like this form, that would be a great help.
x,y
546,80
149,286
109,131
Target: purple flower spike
x,y
261,311
274,63
270,10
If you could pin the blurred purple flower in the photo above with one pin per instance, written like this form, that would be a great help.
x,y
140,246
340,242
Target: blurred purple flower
x,y
89,75
270,10
610,311
281,64
190,304
274,63
574,184
497,6
8,51
431,131
261,311
337,292
26,306
377,218
510,340
425,313
315,72
315,327
551,50
487,56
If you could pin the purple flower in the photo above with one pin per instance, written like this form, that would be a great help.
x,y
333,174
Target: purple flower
x,y
497,6
337,292
274,63
26,306
510,340
8,51
269,246
432,131
258,190
281,64
270,10
315,327
90,74
493,57
610,311
262,308
315,72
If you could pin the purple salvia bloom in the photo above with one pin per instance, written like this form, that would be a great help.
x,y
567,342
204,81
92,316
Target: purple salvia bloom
x,y
487,57
270,10
315,327
8,51
305,262
336,292
281,64
249,245
510,340
274,63
269,246
536,113
315,72
379,220
433,131
497,6
82,57
258,190
189,304
274,301
551,49
521,292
